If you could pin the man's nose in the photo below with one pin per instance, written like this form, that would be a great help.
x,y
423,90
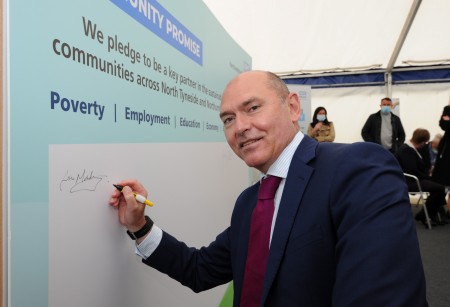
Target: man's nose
x,y
242,124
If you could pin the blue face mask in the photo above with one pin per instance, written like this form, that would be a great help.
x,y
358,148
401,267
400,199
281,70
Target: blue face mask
x,y
321,117
385,109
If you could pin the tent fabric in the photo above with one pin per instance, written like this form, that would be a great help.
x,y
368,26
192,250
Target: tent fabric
x,y
423,75
417,76
326,35
345,47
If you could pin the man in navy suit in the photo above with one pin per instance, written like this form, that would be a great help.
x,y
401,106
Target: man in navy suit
x,y
342,233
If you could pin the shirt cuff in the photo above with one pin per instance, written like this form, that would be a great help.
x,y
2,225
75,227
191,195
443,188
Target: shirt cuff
x,y
150,243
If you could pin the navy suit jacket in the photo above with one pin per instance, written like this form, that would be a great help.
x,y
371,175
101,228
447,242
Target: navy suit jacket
x,y
344,235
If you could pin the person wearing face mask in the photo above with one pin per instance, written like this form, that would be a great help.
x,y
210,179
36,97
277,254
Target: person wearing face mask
x,y
320,128
441,168
384,128
412,162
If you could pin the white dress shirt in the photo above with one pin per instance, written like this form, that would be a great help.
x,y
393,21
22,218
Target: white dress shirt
x,y
279,168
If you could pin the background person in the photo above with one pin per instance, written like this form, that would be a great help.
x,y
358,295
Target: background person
x,y
429,152
413,163
441,171
433,148
320,128
341,220
384,128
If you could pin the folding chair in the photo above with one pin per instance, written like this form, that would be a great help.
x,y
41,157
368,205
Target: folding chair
x,y
421,201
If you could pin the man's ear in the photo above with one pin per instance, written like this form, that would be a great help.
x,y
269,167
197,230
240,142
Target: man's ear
x,y
294,106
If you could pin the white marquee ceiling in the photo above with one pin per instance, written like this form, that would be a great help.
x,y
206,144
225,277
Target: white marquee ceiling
x,y
328,35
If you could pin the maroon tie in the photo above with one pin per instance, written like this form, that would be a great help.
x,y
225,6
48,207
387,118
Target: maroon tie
x,y
258,244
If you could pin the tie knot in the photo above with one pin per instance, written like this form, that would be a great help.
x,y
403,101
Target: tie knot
x,y
268,187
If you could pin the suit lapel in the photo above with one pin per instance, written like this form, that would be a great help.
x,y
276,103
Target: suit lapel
x,y
296,182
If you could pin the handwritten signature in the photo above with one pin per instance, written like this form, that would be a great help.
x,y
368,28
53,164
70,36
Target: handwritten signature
x,y
83,181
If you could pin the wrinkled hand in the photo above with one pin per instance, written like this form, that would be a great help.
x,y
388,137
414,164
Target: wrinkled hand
x,y
131,212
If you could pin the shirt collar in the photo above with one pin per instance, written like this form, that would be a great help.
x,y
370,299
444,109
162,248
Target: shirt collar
x,y
281,165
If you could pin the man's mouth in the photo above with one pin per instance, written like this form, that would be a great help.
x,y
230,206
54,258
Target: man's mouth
x,y
249,142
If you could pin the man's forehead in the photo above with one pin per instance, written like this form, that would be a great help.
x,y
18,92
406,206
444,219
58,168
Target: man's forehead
x,y
249,76
242,85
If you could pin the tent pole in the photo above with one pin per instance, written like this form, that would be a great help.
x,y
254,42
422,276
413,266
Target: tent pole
x,y
401,39
388,83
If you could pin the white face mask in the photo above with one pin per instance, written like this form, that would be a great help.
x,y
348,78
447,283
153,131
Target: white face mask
x,y
321,117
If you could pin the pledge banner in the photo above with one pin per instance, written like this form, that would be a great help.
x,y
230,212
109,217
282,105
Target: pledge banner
x,y
90,84
157,19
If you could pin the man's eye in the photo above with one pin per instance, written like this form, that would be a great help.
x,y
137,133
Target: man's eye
x,y
226,120
253,108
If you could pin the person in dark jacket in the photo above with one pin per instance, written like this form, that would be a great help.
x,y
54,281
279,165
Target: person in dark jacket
x,y
341,230
412,162
384,128
441,171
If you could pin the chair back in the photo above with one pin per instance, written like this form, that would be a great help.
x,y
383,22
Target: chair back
x,y
421,199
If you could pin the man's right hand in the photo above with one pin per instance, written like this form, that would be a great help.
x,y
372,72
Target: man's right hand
x,y
131,212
